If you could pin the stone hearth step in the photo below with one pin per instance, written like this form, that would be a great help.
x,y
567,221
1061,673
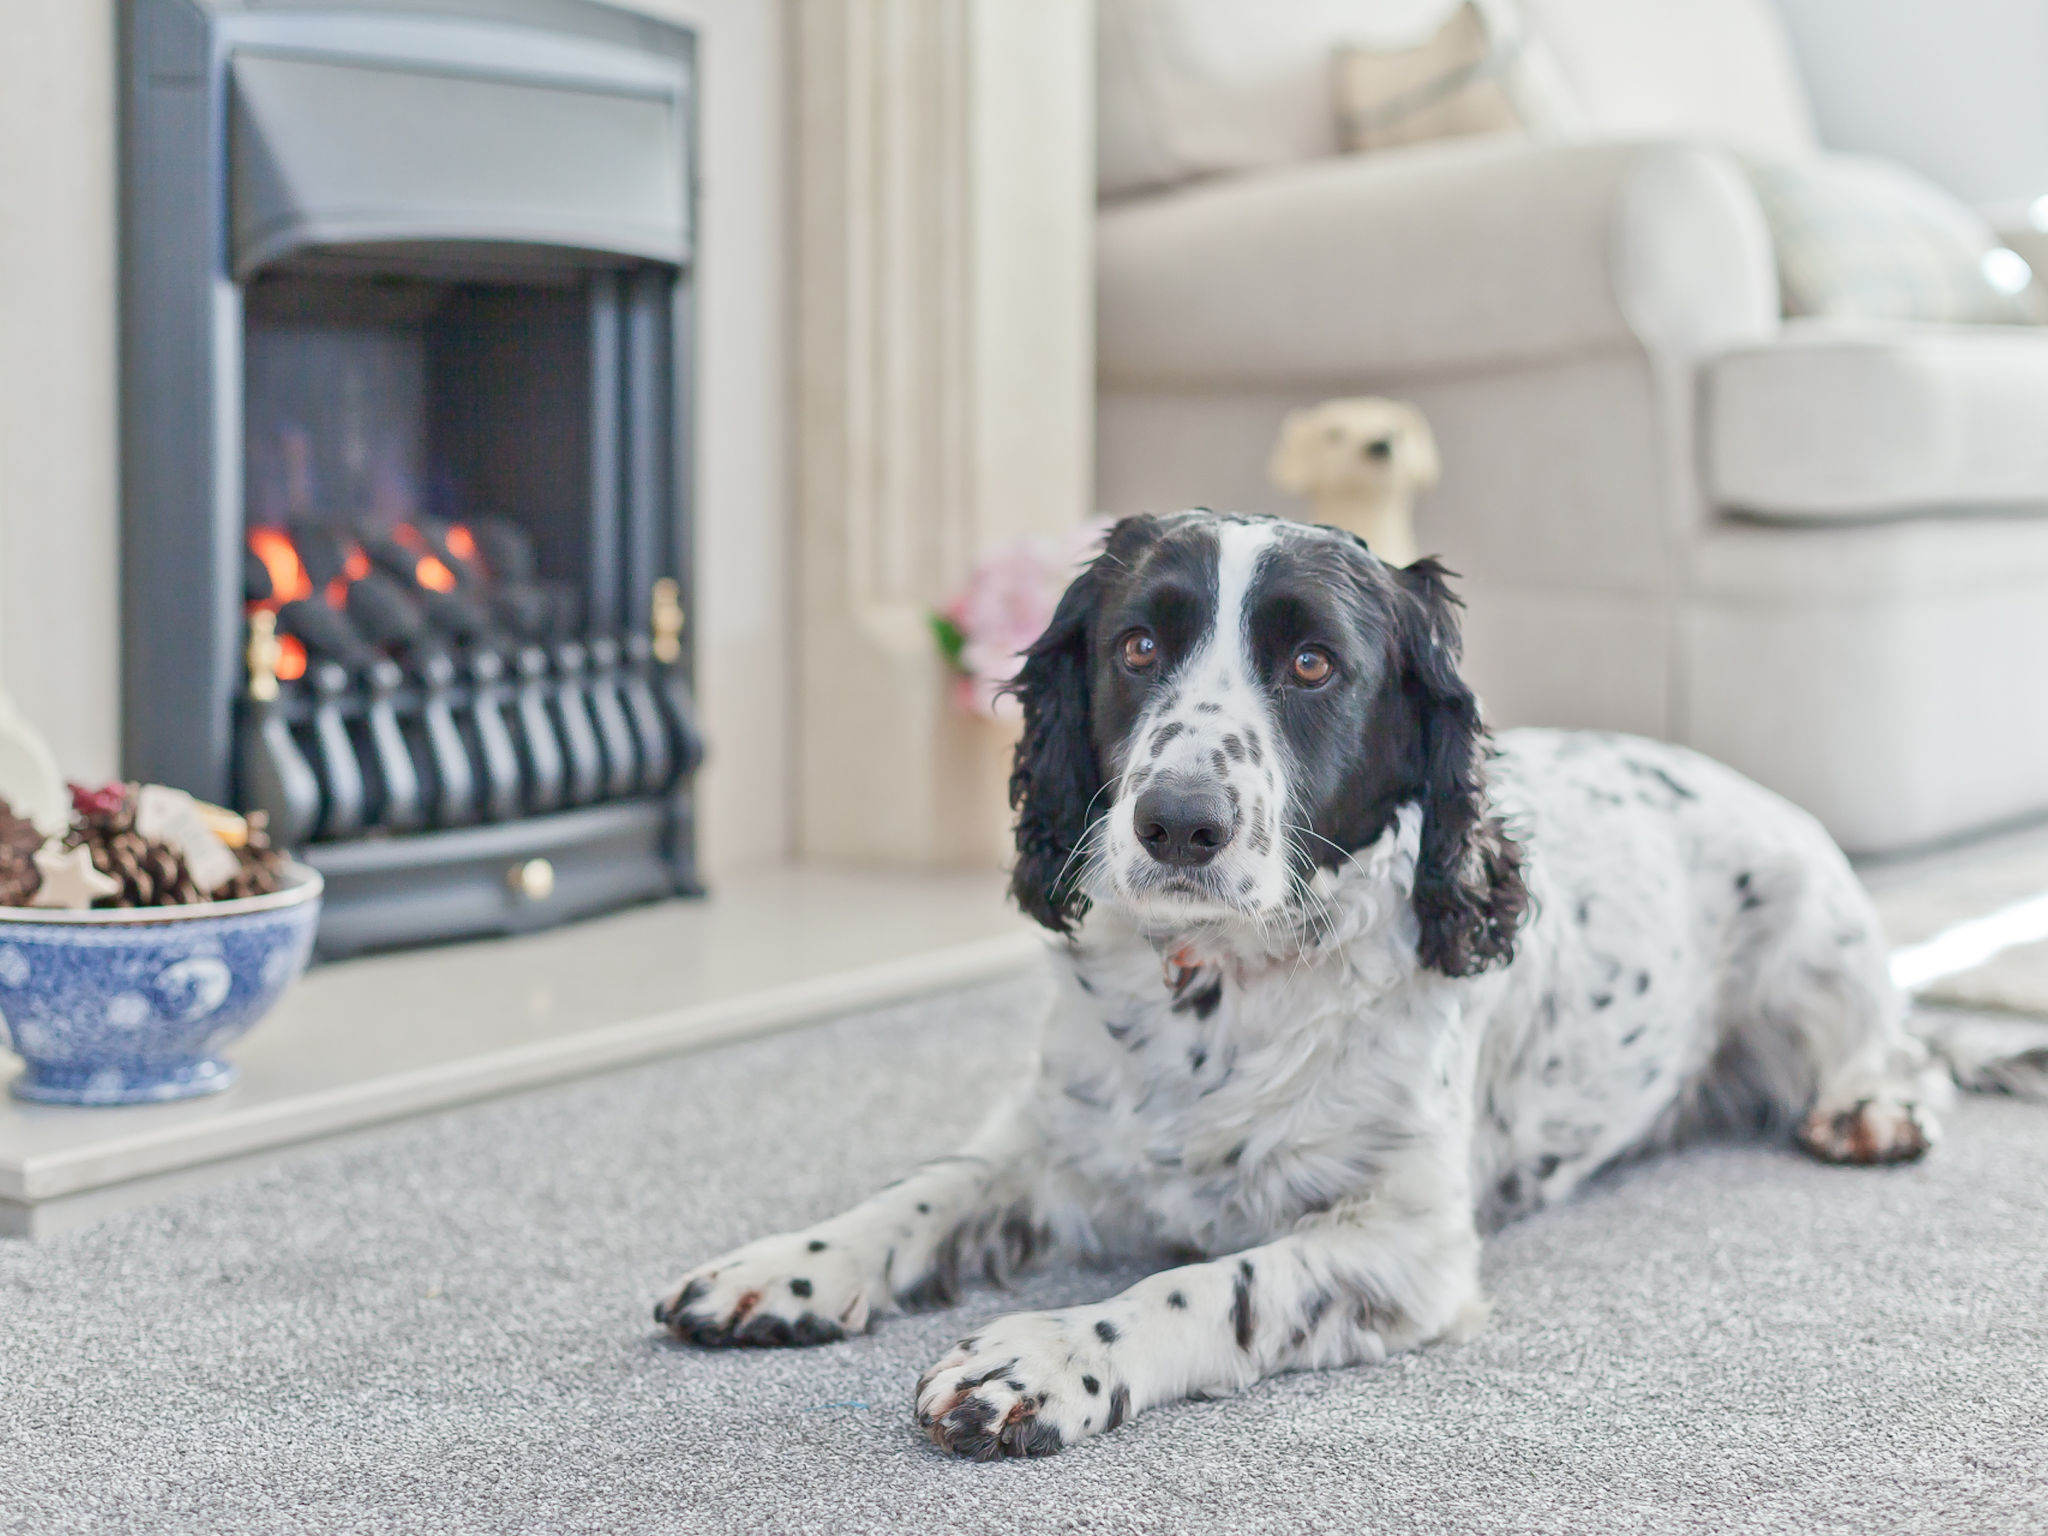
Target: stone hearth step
x,y
363,1042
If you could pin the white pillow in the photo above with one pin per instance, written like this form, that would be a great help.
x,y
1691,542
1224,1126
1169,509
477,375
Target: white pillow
x,y
1864,239
1190,88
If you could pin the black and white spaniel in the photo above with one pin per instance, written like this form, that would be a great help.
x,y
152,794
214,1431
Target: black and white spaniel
x,y
1341,986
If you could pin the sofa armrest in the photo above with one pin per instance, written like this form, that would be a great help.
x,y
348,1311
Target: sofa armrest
x,y
1442,259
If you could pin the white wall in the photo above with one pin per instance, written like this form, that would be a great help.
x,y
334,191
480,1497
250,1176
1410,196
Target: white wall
x,y
58,596
1957,89
58,621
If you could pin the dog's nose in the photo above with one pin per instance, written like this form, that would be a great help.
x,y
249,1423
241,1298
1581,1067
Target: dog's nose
x,y
1380,448
1182,825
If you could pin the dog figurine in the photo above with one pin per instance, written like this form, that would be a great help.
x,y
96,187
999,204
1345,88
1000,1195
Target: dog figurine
x,y
1341,985
1360,463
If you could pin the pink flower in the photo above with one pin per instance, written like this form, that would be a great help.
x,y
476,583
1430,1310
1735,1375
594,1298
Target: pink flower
x,y
1008,601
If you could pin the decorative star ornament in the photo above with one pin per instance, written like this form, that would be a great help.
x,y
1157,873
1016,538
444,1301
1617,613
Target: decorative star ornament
x,y
70,879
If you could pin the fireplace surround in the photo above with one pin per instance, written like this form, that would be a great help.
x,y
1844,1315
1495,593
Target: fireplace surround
x,y
406,372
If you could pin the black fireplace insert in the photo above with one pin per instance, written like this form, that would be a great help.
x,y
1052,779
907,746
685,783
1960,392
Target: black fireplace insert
x,y
407,303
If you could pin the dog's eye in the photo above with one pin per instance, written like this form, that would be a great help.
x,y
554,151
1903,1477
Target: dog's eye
x,y
1140,651
1311,666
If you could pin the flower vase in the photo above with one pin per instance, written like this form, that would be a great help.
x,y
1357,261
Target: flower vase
x,y
974,809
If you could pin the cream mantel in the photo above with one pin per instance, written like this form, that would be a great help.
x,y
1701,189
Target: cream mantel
x,y
943,173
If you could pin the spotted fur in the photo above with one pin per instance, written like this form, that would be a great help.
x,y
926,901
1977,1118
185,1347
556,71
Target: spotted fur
x,y
1341,986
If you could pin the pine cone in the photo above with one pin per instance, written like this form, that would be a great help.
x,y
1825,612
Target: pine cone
x,y
19,840
152,874
262,868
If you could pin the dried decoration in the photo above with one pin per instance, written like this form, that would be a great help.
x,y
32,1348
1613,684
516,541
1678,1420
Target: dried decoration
x,y
137,845
19,840
172,818
119,845
103,801
29,781
148,873
231,827
261,868
70,882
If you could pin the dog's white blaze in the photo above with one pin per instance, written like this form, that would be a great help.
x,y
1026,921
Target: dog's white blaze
x,y
1240,548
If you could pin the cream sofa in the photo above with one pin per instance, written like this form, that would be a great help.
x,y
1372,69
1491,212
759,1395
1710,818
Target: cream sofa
x,y
1817,553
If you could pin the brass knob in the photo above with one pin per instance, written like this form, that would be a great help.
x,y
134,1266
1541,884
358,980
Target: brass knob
x,y
535,879
262,655
666,620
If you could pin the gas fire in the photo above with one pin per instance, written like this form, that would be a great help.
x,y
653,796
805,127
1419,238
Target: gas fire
x,y
290,582
347,597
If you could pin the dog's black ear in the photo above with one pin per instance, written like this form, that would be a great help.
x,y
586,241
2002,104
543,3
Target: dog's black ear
x,y
1055,778
1469,894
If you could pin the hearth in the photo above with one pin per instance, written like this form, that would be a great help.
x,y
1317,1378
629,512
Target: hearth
x,y
406,480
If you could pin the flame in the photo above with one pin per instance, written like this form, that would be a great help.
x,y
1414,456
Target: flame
x,y
461,542
288,579
291,658
431,572
355,565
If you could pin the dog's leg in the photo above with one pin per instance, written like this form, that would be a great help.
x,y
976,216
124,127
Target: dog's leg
x,y
1824,1029
1878,1090
909,1244
1344,1288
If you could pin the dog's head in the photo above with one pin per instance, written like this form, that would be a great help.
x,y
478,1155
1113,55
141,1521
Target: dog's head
x,y
1222,704
1363,446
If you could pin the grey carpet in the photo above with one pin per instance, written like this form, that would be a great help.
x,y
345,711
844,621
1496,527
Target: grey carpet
x,y
447,1330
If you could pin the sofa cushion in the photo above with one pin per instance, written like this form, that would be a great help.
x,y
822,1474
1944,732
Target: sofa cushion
x,y
1834,421
1480,72
1865,239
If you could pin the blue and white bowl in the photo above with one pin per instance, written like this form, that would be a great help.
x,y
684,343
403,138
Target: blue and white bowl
x,y
132,1005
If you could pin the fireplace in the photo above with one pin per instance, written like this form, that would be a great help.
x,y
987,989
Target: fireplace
x,y
406,376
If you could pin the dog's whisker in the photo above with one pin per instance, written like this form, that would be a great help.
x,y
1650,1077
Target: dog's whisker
x,y
1112,787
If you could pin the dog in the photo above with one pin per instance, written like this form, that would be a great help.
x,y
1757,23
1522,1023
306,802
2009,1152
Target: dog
x,y
1360,462
1342,985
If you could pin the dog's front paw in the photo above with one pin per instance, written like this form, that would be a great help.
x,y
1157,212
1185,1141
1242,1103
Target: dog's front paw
x,y
797,1288
1026,1385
